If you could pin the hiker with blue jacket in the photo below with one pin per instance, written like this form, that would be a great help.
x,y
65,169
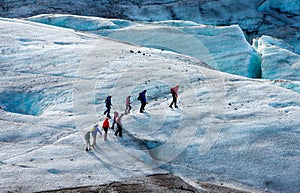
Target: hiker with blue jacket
x,y
108,106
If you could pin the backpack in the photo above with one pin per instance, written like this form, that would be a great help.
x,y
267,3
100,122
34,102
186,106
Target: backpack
x,y
93,130
139,97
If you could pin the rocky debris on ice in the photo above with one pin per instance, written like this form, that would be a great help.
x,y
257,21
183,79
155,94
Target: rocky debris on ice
x,y
158,183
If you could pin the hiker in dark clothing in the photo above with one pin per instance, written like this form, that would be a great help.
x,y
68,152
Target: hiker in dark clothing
x,y
119,126
108,106
174,92
142,98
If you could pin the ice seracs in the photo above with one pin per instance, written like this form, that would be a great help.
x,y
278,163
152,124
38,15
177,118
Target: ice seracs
x,y
277,59
222,48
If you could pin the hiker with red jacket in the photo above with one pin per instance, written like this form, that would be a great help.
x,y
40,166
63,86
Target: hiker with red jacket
x,y
105,127
174,92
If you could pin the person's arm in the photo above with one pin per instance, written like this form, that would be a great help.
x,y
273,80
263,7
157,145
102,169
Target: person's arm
x,y
99,131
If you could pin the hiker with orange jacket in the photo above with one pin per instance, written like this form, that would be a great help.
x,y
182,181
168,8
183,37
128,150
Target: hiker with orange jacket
x,y
105,127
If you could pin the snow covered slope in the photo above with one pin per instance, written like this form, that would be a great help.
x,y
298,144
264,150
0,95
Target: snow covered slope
x,y
228,129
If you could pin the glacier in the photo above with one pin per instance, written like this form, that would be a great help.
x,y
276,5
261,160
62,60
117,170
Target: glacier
x,y
232,55
230,129
278,59
179,36
278,18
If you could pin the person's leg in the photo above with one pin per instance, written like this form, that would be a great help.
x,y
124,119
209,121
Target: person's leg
x,y
171,103
120,133
116,133
129,109
94,141
87,145
142,107
175,101
113,125
105,135
126,110
108,112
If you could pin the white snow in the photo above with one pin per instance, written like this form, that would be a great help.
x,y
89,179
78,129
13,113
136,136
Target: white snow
x,y
228,128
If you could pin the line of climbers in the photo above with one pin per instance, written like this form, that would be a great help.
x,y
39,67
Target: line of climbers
x,y
117,118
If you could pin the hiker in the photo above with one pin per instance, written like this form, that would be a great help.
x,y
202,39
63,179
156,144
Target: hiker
x,y
128,106
142,98
119,126
108,106
105,127
116,115
94,131
174,92
87,138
